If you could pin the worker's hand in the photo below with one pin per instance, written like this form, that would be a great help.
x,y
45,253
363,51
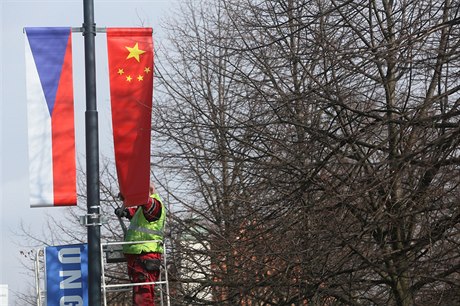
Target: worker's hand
x,y
121,212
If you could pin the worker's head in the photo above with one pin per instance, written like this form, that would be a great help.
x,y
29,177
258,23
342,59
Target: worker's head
x,y
152,188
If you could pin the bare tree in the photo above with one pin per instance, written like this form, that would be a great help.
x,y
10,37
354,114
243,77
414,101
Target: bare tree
x,y
339,121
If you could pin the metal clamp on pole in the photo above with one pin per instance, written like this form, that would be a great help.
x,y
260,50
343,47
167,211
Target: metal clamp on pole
x,y
82,30
93,219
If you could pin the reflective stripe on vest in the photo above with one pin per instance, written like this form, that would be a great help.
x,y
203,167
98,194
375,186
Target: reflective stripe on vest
x,y
134,227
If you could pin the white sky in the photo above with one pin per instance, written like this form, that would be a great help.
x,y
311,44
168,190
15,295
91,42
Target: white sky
x,y
15,15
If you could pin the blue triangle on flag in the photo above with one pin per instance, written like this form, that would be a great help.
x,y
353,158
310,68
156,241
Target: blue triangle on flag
x,y
48,46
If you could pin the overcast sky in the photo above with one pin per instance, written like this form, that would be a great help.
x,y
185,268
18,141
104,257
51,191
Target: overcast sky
x,y
15,15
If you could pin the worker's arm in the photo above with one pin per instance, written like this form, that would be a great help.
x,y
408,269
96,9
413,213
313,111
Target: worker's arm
x,y
152,210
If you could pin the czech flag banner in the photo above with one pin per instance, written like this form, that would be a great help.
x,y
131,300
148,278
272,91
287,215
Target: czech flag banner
x,y
50,110
130,55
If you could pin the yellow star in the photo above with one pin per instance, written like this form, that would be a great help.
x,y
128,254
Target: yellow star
x,y
129,78
120,71
140,78
147,69
134,52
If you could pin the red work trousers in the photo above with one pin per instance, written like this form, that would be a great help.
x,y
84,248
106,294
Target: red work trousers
x,y
139,271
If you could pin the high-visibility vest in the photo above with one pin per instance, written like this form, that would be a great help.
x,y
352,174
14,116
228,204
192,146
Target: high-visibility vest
x,y
141,229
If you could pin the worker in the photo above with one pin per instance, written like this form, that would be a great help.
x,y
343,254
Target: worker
x,y
144,258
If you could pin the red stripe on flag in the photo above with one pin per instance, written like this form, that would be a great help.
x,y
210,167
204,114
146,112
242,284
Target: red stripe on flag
x,y
130,55
63,136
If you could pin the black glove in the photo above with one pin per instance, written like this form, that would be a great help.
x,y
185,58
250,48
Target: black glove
x,y
121,212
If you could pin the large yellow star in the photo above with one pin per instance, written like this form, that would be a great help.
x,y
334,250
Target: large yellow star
x,y
134,52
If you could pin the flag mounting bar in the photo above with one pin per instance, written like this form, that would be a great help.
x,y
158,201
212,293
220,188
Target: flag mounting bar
x,y
81,29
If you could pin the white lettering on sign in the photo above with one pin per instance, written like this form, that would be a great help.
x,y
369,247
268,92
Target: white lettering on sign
x,y
70,256
71,279
73,300
66,276
68,279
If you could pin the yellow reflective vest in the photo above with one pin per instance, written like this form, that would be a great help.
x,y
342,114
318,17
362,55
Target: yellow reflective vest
x,y
142,230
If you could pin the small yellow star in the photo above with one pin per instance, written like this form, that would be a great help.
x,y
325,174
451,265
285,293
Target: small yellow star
x,y
140,78
134,52
147,69
129,78
120,71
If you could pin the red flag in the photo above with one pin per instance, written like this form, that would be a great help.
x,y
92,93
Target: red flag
x,y
130,53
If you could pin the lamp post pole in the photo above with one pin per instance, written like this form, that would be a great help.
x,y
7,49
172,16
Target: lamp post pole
x,y
92,158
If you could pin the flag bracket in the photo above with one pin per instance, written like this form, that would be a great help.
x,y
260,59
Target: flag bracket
x,y
82,29
93,220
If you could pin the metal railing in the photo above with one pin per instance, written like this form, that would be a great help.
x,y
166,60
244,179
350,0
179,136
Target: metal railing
x,y
113,255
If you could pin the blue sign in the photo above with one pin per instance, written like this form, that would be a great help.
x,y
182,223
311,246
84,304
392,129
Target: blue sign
x,y
67,275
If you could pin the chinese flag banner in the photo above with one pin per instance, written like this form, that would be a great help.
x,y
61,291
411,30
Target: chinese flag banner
x,y
130,54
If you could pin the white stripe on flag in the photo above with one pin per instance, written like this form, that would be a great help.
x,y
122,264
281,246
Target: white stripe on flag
x,y
40,143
